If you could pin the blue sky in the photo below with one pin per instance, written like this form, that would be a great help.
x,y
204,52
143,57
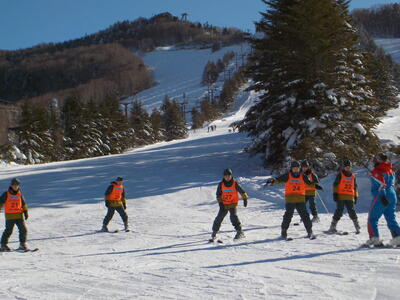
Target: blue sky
x,y
25,23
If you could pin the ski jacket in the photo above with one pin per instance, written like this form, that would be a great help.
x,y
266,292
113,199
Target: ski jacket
x,y
14,204
310,189
384,173
233,184
115,195
294,198
345,187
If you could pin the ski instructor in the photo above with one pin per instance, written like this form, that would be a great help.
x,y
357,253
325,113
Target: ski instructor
x,y
384,201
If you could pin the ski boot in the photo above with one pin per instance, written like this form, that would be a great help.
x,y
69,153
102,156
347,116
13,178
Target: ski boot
x,y
5,248
213,237
126,227
311,235
332,228
239,235
395,242
22,247
356,226
315,219
104,228
284,234
374,242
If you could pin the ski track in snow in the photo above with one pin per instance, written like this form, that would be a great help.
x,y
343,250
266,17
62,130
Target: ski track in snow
x,y
171,206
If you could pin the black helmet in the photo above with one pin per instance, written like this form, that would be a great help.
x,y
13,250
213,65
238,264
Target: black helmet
x,y
382,156
119,179
305,163
347,163
228,172
15,181
295,164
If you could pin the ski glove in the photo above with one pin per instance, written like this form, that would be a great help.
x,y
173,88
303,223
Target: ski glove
x,y
355,200
107,204
318,187
124,205
270,181
26,215
335,197
245,202
384,200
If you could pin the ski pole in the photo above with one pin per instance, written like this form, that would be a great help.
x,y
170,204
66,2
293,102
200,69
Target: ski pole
x,y
323,203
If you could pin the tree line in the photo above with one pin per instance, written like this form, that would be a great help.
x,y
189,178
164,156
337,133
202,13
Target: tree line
x,y
381,21
81,129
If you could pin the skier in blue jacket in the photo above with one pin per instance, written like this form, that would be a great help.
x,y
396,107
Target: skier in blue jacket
x,y
384,201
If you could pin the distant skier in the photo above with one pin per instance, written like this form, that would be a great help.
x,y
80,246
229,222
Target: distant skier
x,y
228,198
384,201
345,194
295,197
115,200
16,211
311,190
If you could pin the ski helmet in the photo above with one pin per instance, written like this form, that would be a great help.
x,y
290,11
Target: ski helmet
x,y
15,181
119,179
295,164
347,163
228,172
305,164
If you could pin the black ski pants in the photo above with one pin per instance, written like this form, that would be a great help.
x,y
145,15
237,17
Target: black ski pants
x,y
302,211
9,230
110,214
311,203
340,204
221,215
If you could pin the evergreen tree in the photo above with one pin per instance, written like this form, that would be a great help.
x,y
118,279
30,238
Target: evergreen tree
x,y
156,120
140,123
197,119
36,141
315,94
173,119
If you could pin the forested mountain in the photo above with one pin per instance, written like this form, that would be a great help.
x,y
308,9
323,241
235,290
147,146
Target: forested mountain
x,y
101,64
381,21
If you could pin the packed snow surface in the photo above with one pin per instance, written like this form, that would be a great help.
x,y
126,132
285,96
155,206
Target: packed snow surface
x,y
171,206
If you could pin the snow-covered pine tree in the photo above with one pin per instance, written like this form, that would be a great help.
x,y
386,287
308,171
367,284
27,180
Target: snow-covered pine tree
x,y
35,135
174,122
316,100
141,124
158,131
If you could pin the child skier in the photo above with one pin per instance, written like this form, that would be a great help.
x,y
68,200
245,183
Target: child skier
x,y
345,194
384,201
295,197
311,190
16,211
228,197
115,200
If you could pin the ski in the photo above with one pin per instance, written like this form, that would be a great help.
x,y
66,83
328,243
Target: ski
x,y
109,231
336,232
21,250
380,246
219,241
26,250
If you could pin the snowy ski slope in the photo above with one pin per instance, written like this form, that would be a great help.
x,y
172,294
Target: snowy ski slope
x,y
171,204
179,71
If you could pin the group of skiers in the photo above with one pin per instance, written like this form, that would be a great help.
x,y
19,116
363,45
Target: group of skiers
x,y
301,185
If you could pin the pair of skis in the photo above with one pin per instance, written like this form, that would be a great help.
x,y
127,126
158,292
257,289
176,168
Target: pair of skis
x,y
21,250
